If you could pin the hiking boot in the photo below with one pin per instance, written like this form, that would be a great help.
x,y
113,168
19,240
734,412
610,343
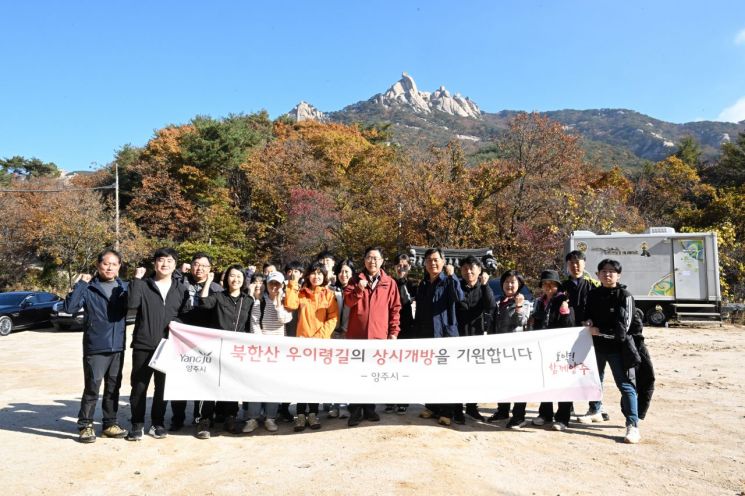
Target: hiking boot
x,y
473,412
632,435
114,431
313,421
251,425
157,431
135,433
444,421
426,414
300,422
203,429
87,435
355,417
516,423
270,425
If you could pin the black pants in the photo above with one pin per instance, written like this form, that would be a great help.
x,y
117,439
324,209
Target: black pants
x,y
312,408
443,409
365,408
546,410
140,379
106,368
207,409
518,409
178,411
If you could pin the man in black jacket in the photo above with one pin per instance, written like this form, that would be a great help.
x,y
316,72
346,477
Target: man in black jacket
x,y
104,299
158,300
473,312
194,276
610,311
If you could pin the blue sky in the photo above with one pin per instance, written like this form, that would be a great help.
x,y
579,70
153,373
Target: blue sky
x,y
81,79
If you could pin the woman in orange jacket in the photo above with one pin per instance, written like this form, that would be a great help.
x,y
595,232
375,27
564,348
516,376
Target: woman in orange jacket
x,y
316,318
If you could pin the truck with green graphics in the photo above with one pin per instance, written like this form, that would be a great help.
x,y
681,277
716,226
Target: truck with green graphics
x,y
672,276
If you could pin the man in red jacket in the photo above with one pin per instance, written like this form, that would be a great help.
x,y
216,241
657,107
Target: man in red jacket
x,y
374,313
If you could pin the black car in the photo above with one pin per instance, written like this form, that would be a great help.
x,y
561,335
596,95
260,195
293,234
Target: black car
x,y
24,309
63,321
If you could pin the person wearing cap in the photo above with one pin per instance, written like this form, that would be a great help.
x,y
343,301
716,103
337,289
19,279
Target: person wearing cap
x,y
268,317
552,311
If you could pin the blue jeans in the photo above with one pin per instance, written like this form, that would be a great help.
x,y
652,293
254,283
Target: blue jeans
x,y
623,378
270,410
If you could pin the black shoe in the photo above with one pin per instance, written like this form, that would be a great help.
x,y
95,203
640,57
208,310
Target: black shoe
x,y
372,416
473,412
135,433
157,431
459,418
498,416
176,426
231,425
285,416
389,409
355,417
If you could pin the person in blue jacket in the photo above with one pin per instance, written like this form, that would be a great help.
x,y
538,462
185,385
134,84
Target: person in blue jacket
x,y
104,299
436,299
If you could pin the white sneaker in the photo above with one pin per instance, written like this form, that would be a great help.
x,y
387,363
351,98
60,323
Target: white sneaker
x,y
632,435
538,421
270,425
590,417
559,426
251,425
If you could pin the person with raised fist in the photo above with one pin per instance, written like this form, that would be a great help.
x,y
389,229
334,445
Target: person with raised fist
x,y
374,313
158,300
104,299
228,310
194,276
436,316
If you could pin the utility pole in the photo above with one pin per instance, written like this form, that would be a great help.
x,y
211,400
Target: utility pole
x,y
116,200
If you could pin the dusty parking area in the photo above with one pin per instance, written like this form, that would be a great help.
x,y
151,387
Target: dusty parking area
x,y
692,440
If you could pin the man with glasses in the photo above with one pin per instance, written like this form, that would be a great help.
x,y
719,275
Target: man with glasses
x,y
374,313
194,277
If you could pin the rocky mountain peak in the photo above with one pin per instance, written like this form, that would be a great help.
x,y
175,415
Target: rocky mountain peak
x,y
405,93
304,111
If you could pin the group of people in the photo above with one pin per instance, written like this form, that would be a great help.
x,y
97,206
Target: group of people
x,y
333,299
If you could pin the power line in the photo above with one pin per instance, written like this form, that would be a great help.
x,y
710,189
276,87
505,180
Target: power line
x,y
111,186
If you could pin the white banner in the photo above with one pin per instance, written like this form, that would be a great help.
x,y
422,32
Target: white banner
x,y
207,364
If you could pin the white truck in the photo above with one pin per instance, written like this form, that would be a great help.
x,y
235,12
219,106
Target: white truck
x,y
671,275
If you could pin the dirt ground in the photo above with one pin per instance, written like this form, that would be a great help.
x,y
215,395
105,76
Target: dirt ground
x,y
693,440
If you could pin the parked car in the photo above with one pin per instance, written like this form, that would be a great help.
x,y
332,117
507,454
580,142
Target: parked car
x,y
24,309
63,321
